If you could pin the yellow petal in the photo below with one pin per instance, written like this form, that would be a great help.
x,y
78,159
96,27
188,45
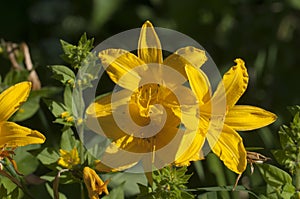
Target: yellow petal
x,y
99,114
123,67
190,148
68,159
194,56
164,146
229,147
186,56
14,135
12,98
94,184
245,118
234,82
149,48
100,108
199,84
116,159
165,136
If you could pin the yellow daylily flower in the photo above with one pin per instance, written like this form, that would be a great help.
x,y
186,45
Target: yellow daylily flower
x,y
147,102
68,159
94,184
13,135
225,142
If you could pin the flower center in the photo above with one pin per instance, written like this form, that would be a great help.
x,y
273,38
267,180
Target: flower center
x,y
147,96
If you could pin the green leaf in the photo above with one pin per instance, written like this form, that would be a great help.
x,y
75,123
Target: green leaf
x,y
79,104
76,55
214,190
285,157
57,108
85,44
48,156
89,71
50,191
131,181
273,175
26,162
68,97
63,74
63,122
294,109
45,91
186,195
279,182
144,190
3,192
65,177
116,193
30,107
288,191
49,176
27,110
8,185
263,197
13,77
68,141
209,195
15,194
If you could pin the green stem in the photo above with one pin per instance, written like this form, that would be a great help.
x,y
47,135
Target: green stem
x,y
298,178
81,147
80,127
297,173
15,178
82,190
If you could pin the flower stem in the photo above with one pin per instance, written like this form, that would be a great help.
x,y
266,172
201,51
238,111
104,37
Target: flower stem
x,y
297,173
15,178
82,191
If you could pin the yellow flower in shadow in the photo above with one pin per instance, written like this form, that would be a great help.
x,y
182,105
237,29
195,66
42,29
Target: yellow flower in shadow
x,y
13,135
223,139
68,159
94,184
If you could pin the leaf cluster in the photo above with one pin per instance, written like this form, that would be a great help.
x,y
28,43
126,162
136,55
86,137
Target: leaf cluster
x,y
169,182
75,55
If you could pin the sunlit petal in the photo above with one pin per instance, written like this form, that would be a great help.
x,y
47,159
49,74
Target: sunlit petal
x,y
12,98
245,118
229,147
149,48
123,67
102,114
117,159
14,135
186,56
190,148
232,87
199,84
94,183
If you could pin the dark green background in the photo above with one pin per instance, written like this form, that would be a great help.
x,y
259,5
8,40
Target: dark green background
x,y
264,33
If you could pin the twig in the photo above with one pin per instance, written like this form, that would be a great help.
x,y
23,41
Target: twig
x,y
33,77
11,49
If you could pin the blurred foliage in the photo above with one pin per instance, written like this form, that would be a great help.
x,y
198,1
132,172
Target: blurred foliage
x,y
265,33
